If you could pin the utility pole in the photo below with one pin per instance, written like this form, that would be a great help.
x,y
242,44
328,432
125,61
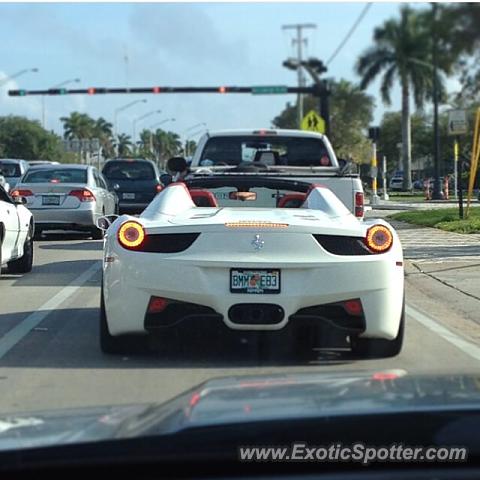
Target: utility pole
x,y
437,190
299,41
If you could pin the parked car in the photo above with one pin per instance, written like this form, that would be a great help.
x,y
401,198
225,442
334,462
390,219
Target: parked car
x,y
396,183
13,170
16,234
66,197
135,180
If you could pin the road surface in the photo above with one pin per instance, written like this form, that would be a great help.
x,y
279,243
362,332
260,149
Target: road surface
x,y
50,356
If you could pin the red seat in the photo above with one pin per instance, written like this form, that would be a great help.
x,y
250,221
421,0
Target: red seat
x,y
291,200
203,198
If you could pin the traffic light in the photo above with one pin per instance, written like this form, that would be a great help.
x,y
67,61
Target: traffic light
x,y
91,91
156,89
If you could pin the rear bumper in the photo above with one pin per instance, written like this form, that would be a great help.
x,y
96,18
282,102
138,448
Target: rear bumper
x,y
132,207
64,218
132,279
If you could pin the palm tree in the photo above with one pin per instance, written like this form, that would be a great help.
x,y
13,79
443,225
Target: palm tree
x,y
402,51
103,131
78,125
124,142
167,144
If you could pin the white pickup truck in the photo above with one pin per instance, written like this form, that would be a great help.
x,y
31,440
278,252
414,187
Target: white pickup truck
x,y
296,154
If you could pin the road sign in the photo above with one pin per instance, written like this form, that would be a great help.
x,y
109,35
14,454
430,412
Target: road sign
x,y
457,122
313,122
268,90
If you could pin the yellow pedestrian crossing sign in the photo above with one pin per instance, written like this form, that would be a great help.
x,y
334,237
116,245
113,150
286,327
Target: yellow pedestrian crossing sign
x,y
313,122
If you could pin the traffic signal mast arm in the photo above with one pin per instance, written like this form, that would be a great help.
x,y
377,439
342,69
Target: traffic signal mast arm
x,y
255,90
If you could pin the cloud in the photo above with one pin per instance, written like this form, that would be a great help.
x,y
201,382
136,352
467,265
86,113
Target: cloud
x,y
185,35
30,107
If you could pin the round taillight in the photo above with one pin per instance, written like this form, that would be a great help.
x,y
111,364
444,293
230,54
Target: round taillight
x,y
379,239
131,235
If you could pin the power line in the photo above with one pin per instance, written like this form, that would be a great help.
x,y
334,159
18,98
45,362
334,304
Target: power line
x,y
350,33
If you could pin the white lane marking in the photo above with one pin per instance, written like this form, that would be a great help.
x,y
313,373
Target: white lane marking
x,y
469,348
11,338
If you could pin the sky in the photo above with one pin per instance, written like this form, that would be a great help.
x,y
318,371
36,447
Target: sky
x,y
183,44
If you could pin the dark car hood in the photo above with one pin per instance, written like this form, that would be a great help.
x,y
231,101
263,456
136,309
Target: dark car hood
x,y
233,400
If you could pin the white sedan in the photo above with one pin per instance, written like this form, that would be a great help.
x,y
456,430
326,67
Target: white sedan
x,y
256,254
16,234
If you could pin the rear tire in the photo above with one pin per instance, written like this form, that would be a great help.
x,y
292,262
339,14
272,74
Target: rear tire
x,y
121,344
24,264
379,347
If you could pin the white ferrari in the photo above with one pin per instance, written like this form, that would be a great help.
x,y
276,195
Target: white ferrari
x,y
256,254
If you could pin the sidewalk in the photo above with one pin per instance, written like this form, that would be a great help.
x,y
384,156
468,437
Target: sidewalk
x,y
393,204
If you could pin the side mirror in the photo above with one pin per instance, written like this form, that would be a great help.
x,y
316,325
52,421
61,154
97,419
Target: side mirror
x,y
166,179
177,164
19,200
103,223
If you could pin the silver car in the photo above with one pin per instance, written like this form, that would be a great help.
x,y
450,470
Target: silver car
x,y
66,197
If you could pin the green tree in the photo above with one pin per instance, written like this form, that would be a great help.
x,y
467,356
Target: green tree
x,y
459,34
27,139
124,145
401,51
350,115
167,144
78,125
103,131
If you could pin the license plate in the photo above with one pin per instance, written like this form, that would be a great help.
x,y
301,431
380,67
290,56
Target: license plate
x,y
254,281
128,196
50,200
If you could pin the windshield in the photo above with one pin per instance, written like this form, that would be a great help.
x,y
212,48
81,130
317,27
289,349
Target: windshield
x,y
269,150
129,170
10,169
316,221
57,175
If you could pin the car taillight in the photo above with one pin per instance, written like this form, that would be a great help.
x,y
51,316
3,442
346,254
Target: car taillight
x,y
131,235
359,204
83,195
379,239
21,193
157,304
159,188
353,307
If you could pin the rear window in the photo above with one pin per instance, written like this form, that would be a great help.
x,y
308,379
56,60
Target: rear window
x,y
133,170
269,150
57,175
10,169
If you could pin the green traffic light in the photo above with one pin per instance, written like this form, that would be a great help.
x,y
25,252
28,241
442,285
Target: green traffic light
x,y
22,93
62,91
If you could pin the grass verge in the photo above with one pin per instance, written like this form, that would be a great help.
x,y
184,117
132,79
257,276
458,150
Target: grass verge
x,y
443,218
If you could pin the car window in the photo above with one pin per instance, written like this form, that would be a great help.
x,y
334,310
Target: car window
x,y
10,169
269,150
57,175
129,170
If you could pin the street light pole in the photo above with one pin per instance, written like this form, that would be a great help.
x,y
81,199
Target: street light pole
x,y
148,114
17,74
161,122
61,84
121,109
436,195
299,41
